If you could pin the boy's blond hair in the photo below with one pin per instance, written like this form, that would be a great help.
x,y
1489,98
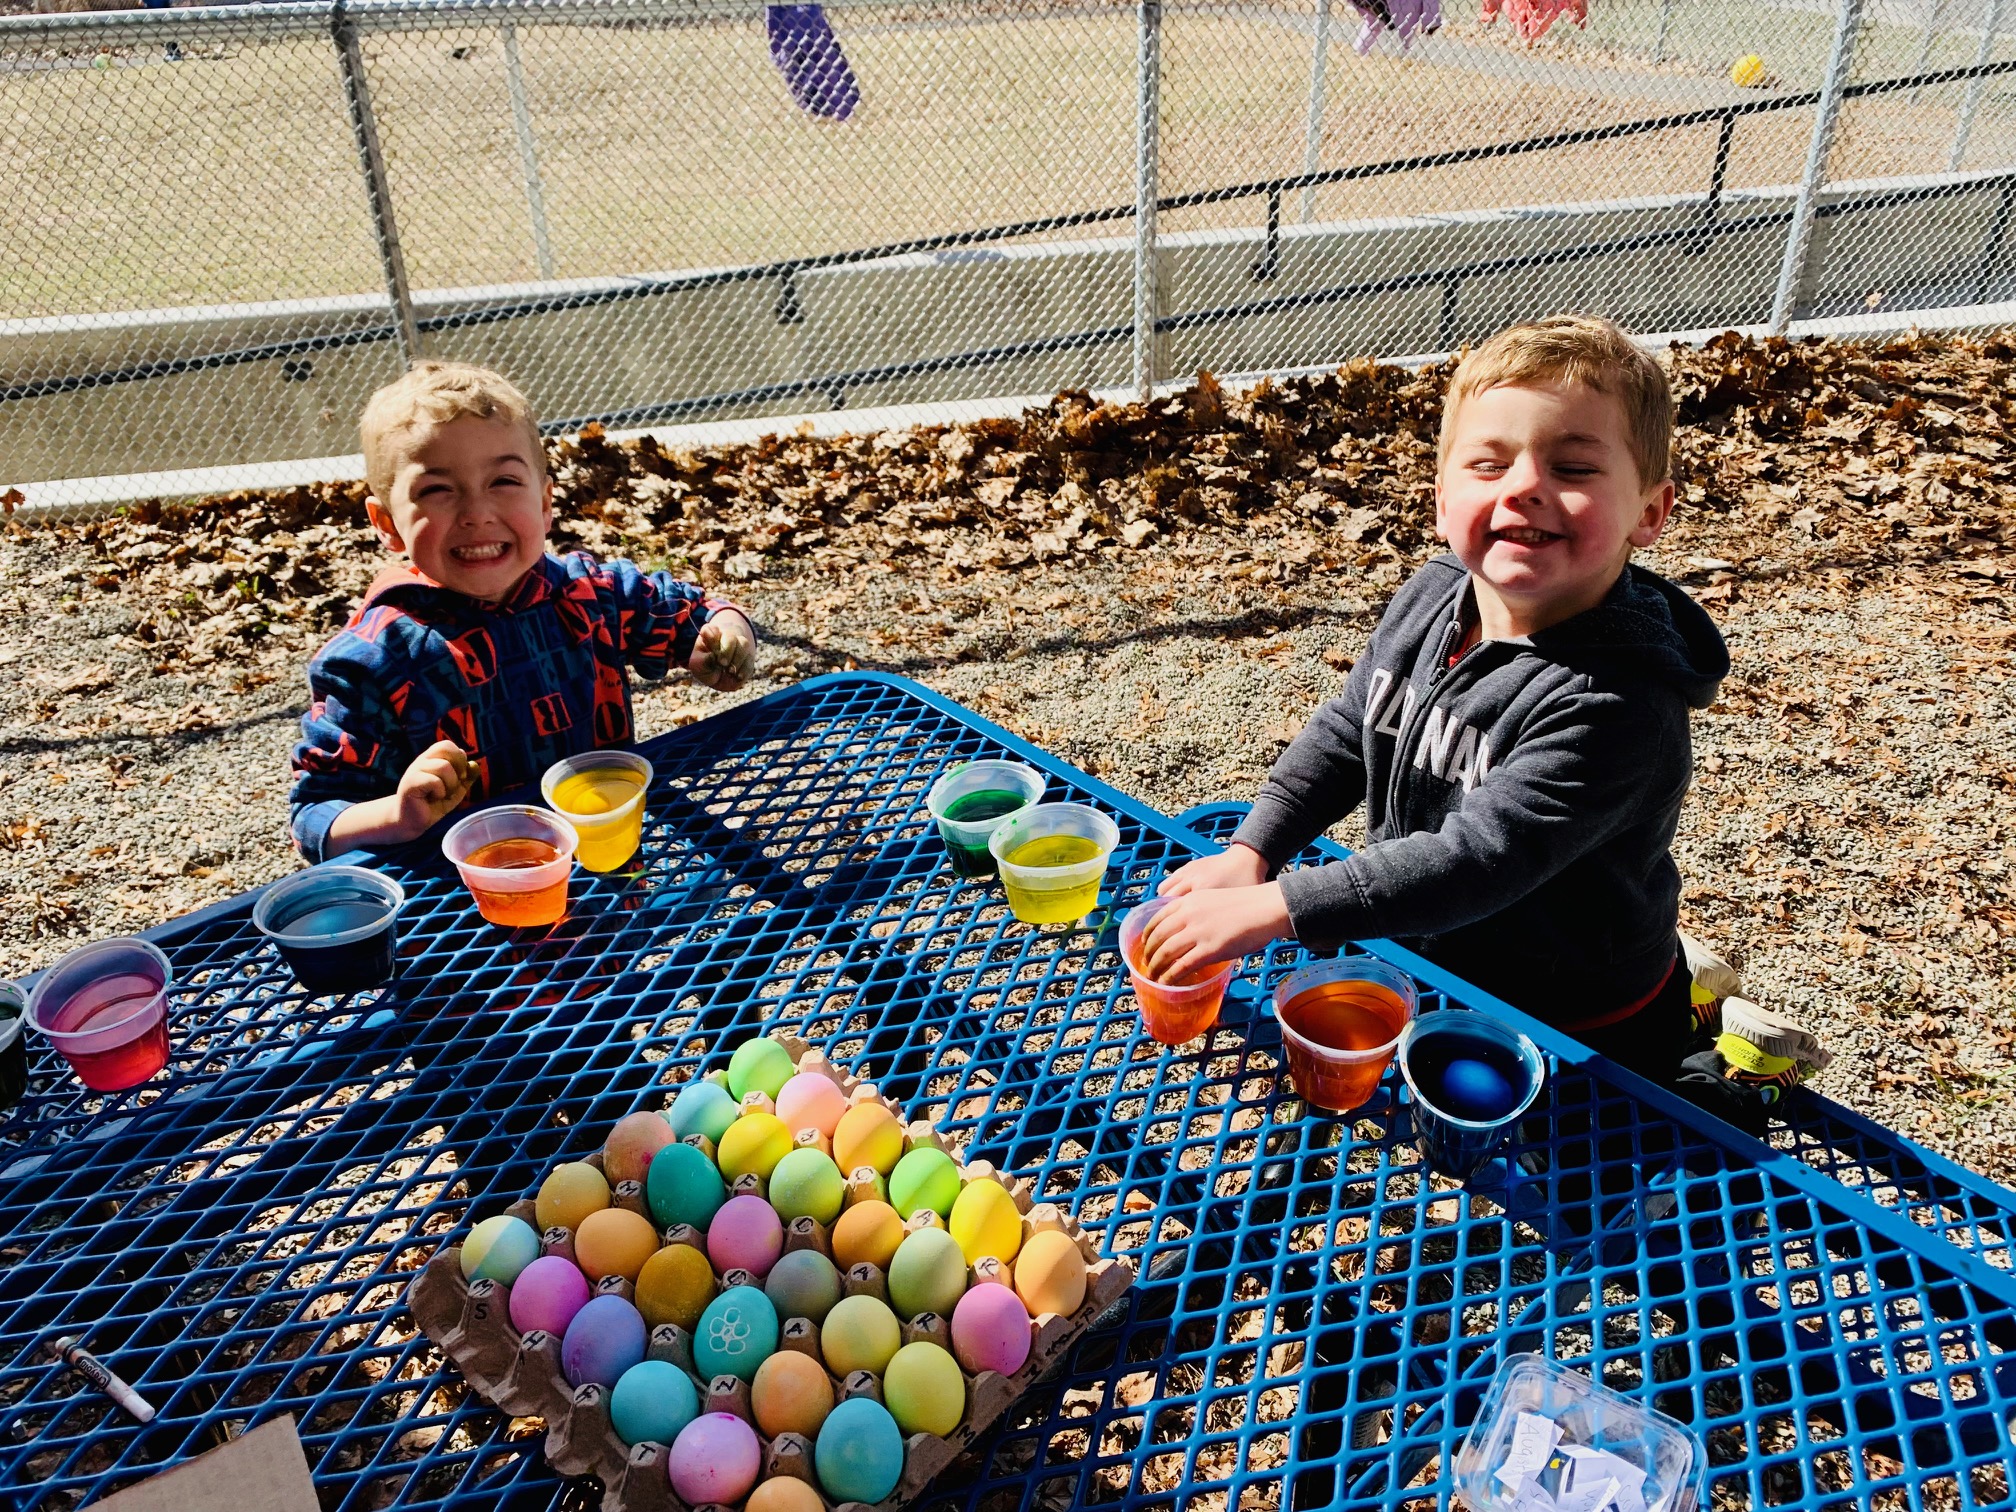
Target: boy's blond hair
x,y
1584,350
428,396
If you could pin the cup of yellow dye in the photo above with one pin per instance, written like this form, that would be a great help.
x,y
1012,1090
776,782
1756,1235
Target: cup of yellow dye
x,y
601,794
1051,857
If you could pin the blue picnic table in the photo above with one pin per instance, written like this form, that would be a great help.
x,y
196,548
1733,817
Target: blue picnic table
x,y
1831,1310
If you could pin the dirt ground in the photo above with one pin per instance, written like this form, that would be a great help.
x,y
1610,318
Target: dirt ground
x,y
1161,596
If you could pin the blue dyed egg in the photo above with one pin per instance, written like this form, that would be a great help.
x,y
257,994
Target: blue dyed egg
x,y
1475,1090
736,1333
652,1403
605,1339
683,1186
859,1454
497,1249
702,1108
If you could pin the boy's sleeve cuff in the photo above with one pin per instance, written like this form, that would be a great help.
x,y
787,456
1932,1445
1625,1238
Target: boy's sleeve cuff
x,y
1271,829
312,822
1325,906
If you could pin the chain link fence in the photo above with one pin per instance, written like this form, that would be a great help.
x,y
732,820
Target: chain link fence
x,y
225,226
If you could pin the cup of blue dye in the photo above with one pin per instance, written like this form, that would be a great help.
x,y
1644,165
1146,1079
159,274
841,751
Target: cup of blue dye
x,y
335,926
13,1044
1472,1079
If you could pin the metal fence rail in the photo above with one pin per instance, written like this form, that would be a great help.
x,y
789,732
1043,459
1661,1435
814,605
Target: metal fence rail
x,y
239,220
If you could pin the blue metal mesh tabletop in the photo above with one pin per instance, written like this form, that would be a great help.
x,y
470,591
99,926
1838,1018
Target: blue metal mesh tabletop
x,y
1316,1318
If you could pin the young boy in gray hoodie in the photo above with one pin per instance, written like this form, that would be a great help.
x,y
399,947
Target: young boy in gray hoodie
x,y
1517,729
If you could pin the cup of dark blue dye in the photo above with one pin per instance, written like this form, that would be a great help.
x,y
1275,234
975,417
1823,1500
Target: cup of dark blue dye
x,y
335,925
1472,1079
13,1044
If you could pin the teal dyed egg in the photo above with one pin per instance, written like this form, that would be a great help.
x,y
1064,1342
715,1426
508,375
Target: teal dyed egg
x,y
761,1065
703,1107
927,1275
806,1184
736,1333
859,1454
497,1249
652,1402
803,1284
683,1186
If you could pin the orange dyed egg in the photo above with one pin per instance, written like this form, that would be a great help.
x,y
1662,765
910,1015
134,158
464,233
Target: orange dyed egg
x,y
791,1394
614,1242
868,1231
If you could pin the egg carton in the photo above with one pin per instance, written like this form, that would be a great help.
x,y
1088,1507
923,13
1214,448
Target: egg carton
x,y
521,1373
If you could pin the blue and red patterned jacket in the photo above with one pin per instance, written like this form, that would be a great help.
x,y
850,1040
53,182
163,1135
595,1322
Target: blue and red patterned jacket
x,y
517,686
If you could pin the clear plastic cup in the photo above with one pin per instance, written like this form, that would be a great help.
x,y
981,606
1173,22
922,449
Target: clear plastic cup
x,y
1473,1079
1340,1024
13,1044
514,860
1174,1013
600,793
105,1008
1051,857
334,925
988,794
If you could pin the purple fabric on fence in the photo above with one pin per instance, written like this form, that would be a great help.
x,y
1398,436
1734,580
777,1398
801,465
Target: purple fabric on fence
x,y
806,52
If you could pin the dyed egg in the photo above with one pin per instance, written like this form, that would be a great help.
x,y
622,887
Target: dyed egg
x,y
497,1249
683,1186
1050,1275
702,1107
761,1065
791,1394
754,1144
653,1403
715,1459
925,1178
986,1221
928,1274
867,1134
811,1101
568,1194
635,1139
859,1452
1476,1090
860,1333
990,1330
806,1184
746,1233
675,1287
784,1493
736,1333
867,1231
547,1294
923,1389
803,1284
614,1242
605,1339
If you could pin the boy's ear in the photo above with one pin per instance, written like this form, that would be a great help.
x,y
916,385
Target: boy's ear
x,y
381,521
1441,531
1652,519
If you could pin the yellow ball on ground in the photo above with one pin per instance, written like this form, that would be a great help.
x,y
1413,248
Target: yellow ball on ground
x,y
1747,71
614,1242
867,1231
867,1134
570,1193
754,1143
986,1221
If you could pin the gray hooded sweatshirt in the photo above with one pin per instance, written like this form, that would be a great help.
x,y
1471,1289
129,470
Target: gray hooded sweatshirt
x,y
1519,806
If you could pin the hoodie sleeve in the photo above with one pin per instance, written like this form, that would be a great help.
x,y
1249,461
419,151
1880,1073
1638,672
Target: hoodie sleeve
x,y
1315,782
351,747
661,617
1577,775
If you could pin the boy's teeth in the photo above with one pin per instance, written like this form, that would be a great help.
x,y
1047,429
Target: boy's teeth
x,y
479,553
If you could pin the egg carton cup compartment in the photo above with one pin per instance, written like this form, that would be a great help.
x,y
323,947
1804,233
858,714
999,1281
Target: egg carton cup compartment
x,y
521,1374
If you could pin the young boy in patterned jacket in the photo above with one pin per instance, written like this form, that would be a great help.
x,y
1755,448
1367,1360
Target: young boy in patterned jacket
x,y
481,659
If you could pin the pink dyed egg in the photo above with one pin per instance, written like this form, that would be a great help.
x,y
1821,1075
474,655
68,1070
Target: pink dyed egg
x,y
747,1233
632,1143
811,1101
547,1294
990,1330
714,1459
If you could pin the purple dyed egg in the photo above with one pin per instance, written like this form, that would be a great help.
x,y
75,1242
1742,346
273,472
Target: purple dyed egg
x,y
747,1233
990,1330
715,1459
605,1339
547,1294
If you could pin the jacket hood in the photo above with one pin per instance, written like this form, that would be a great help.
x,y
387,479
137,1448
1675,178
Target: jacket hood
x,y
1655,628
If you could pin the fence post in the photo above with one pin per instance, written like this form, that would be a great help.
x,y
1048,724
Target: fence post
x,y
528,149
377,189
1659,41
1312,149
1971,102
1147,181
1925,43
1798,238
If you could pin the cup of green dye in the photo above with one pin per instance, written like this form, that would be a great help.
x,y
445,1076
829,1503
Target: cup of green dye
x,y
973,801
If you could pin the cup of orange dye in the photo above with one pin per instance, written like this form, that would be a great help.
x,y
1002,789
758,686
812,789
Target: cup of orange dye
x,y
1176,1012
105,1007
1340,1023
514,860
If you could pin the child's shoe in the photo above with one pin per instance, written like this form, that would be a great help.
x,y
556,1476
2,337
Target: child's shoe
x,y
1758,1055
1713,980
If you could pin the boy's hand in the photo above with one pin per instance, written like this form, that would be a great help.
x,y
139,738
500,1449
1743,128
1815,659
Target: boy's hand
x,y
724,657
1218,924
431,788
1236,866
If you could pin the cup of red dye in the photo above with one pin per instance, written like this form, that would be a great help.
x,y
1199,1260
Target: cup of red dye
x,y
1176,1012
105,1008
334,926
972,801
1340,1024
515,861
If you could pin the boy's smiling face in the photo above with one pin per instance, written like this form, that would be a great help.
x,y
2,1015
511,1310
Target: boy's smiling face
x,y
1540,497
469,506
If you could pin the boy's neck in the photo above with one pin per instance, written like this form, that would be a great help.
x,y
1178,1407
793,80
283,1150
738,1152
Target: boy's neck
x,y
1501,618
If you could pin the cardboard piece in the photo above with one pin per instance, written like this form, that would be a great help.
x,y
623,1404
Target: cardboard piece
x,y
261,1471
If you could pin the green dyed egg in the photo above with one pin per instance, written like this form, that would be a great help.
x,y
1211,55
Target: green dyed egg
x,y
928,1274
803,1284
762,1065
702,1108
924,1390
683,1186
806,1184
925,1178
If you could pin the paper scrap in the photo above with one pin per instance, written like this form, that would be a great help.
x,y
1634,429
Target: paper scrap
x,y
1533,1441
261,1471
1590,1467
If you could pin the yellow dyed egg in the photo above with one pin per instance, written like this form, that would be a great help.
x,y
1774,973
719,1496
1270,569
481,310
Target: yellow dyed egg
x,y
986,1221
867,1134
568,1194
783,1493
1050,1275
867,1231
614,1242
924,1390
860,1334
754,1143
675,1286
791,1394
